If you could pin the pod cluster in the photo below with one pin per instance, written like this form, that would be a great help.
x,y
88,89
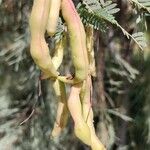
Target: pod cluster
x,y
44,18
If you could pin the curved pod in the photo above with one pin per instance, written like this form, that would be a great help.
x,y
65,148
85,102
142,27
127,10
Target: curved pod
x,y
62,110
53,16
39,49
88,114
60,91
81,129
77,41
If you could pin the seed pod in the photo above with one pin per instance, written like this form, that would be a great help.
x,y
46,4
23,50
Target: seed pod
x,y
90,50
62,110
95,142
60,91
74,105
53,16
58,54
88,114
77,42
39,49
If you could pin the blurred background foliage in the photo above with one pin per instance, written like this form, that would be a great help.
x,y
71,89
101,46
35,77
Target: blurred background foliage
x,y
121,99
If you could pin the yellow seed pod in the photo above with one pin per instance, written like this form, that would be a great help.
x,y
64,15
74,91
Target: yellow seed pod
x,y
53,16
95,142
88,114
81,129
62,110
90,49
58,54
77,42
60,91
38,48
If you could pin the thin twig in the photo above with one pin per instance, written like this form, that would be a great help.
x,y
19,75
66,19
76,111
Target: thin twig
x,y
39,91
31,114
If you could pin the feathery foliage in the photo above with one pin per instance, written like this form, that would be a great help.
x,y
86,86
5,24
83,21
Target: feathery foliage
x,y
145,4
99,13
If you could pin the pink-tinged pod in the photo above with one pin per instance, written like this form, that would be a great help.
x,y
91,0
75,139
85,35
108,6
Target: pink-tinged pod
x,y
77,42
81,129
39,49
